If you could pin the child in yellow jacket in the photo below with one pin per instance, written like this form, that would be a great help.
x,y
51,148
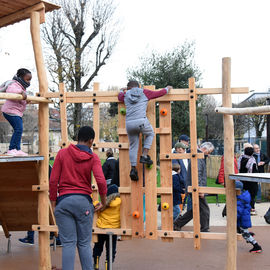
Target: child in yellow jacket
x,y
108,219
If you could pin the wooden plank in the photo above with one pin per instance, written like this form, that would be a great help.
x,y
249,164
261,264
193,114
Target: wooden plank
x,y
170,156
194,163
123,131
213,190
214,91
189,235
231,263
166,169
116,145
45,228
43,125
243,111
40,187
124,232
251,177
63,115
124,169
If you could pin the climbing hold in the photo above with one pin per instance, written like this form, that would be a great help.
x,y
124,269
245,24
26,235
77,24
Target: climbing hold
x,y
165,206
95,203
163,112
136,214
123,111
149,166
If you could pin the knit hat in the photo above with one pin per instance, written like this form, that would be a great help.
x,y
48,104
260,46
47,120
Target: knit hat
x,y
184,138
112,189
180,145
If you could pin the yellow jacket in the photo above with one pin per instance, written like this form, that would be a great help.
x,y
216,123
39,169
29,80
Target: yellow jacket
x,y
110,217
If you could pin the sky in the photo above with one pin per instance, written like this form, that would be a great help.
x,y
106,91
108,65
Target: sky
x,y
220,28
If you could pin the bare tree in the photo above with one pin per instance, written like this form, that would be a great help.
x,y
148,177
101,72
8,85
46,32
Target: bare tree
x,y
80,38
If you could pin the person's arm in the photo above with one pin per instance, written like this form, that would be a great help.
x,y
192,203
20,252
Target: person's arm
x,y
55,177
156,94
14,88
101,182
121,95
265,159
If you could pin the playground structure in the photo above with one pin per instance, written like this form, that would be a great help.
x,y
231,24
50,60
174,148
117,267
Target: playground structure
x,y
132,223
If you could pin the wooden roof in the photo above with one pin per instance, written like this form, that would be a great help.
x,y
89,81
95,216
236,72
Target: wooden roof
x,y
12,11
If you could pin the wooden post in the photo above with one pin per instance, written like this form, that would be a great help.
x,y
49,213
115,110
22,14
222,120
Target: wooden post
x,y
165,141
43,199
194,162
124,169
229,166
63,115
151,179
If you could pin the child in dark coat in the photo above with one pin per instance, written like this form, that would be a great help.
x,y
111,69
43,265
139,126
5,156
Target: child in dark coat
x,y
244,220
178,189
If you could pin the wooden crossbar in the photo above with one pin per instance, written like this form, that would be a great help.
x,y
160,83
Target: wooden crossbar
x,y
243,111
212,190
180,156
20,97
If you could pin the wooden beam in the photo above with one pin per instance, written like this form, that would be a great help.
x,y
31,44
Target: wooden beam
x,y
243,111
45,228
118,145
123,131
194,162
63,115
40,187
20,97
120,231
189,234
212,190
170,156
229,166
43,124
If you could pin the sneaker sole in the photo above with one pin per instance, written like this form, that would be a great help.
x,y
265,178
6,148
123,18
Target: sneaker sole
x,y
28,244
257,251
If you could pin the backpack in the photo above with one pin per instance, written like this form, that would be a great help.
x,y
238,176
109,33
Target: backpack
x,y
5,85
267,216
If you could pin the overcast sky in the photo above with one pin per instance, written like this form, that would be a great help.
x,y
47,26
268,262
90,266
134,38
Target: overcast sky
x,y
238,29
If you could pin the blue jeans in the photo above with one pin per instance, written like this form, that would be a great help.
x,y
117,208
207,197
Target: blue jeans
x,y
74,217
176,211
17,123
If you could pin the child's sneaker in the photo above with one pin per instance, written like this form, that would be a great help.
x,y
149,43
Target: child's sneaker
x,y
256,248
12,152
147,160
27,241
134,174
21,153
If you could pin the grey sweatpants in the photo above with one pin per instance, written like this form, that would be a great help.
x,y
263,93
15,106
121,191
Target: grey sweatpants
x,y
134,128
74,217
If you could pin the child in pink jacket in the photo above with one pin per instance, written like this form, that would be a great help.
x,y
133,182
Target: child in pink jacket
x,y
13,109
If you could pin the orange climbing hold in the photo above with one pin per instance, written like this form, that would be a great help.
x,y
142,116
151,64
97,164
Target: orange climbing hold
x,y
136,214
163,112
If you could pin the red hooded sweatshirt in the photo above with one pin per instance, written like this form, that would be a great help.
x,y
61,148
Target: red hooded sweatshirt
x,y
71,173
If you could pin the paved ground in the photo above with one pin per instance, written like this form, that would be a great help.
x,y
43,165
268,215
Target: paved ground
x,y
150,254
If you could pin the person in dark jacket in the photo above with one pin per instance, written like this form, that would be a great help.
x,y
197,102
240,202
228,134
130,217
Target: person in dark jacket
x,y
244,220
115,179
178,189
109,166
206,148
247,164
261,160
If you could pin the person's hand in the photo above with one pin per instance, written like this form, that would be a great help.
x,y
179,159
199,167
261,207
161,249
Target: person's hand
x,y
24,95
261,163
99,207
169,88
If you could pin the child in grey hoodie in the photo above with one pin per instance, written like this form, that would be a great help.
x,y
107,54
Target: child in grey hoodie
x,y
136,100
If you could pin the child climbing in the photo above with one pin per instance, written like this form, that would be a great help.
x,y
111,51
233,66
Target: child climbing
x,y
13,109
109,218
244,220
136,100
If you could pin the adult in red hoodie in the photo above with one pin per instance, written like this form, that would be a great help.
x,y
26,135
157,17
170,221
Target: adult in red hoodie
x,y
70,195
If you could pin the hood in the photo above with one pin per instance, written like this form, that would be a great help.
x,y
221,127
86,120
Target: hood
x,y
133,95
112,201
77,154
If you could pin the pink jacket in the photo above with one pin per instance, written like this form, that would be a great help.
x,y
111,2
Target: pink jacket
x,y
14,107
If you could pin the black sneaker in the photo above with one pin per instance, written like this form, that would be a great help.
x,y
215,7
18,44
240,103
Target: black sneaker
x,y
57,244
256,248
134,174
176,228
27,241
147,160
